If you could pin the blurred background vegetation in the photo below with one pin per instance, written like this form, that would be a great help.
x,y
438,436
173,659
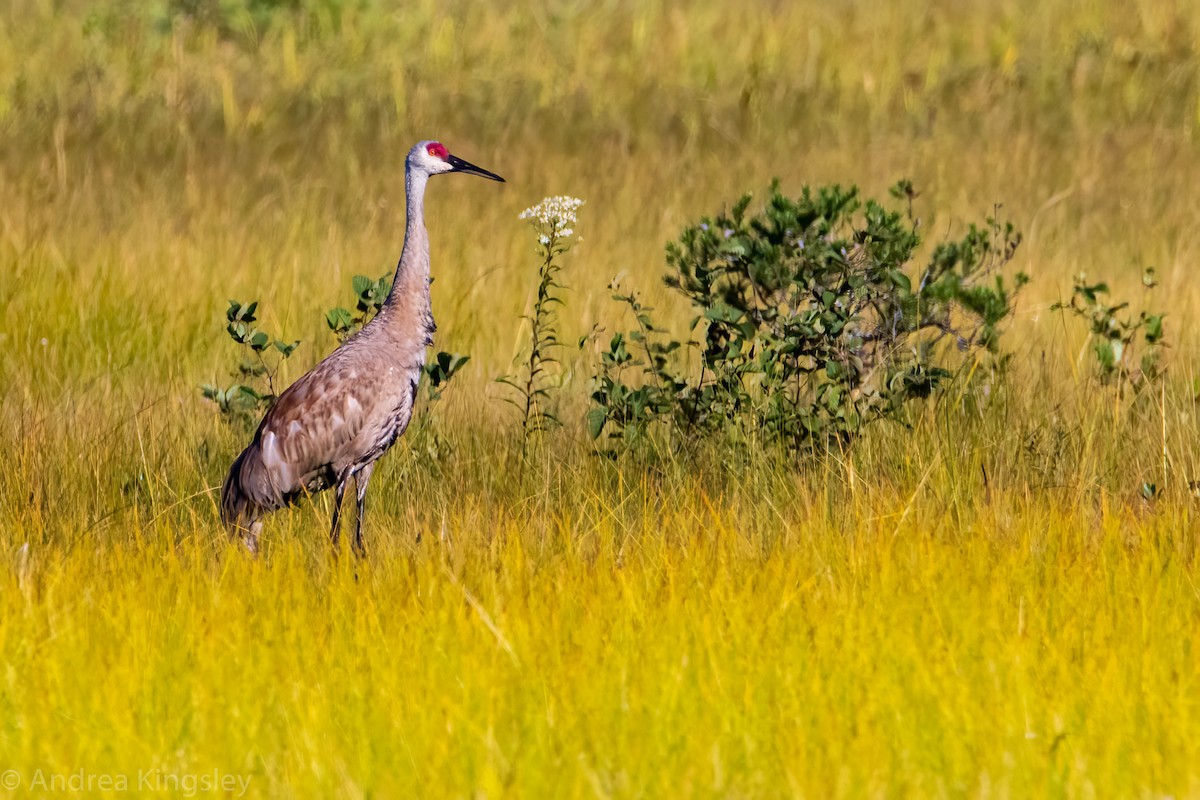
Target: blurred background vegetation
x,y
159,159
212,148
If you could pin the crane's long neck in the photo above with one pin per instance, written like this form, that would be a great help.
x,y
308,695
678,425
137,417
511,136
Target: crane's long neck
x,y
407,310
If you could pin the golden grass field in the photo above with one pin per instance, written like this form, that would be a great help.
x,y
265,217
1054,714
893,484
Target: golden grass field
x,y
881,623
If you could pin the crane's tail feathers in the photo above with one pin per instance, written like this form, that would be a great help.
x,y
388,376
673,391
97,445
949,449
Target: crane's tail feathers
x,y
240,513
238,509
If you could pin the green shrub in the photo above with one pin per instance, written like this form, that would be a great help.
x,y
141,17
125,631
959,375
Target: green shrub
x,y
245,401
810,323
369,297
248,399
1127,349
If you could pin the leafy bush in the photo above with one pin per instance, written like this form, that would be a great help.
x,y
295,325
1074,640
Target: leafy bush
x,y
229,16
1127,349
369,296
809,322
246,400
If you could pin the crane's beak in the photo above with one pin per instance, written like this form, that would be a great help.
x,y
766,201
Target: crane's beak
x,y
466,166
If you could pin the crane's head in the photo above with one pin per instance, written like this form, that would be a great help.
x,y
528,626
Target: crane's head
x,y
432,158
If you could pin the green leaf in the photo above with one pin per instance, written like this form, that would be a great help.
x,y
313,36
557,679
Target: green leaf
x,y
338,319
1105,354
1153,330
722,312
596,417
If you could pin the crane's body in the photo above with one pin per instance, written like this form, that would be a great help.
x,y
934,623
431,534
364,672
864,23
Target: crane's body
x,y
335,422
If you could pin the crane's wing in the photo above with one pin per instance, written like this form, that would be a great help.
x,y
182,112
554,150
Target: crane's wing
x,y
308,431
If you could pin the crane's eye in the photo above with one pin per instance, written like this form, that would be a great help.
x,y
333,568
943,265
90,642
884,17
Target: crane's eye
x,y
438,150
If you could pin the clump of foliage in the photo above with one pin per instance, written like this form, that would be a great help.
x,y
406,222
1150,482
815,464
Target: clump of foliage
x,y
230,18
436,375
810,322
553,220
369,296
440,370
246,400
253,392
1128,350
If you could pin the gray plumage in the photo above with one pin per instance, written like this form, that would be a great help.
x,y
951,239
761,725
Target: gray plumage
x,y
335,422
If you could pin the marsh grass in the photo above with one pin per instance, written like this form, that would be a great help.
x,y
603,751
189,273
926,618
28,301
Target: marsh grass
x,y
985,602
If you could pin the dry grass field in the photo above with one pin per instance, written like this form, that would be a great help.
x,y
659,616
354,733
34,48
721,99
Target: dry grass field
x,y
994,601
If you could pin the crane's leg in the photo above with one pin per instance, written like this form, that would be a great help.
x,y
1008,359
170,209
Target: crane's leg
x,y
335,528
250,537
360,484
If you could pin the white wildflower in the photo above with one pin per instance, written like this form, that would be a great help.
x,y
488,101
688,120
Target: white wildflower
x,y
557,212
544,239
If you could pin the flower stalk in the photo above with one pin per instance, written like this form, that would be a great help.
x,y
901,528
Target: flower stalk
x,y
553,221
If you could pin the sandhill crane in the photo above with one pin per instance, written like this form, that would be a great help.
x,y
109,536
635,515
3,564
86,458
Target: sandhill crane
x,y
335,422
